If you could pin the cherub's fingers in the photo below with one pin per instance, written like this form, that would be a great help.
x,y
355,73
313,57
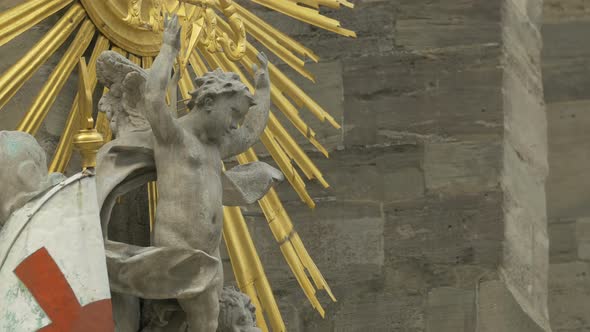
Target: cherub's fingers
x,y
166,20
254,68
262,58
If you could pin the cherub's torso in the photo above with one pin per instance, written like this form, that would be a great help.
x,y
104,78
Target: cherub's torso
x,y
189,211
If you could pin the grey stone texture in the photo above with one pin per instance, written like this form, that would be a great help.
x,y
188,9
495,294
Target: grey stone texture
x,y
525,262
565,72
419,177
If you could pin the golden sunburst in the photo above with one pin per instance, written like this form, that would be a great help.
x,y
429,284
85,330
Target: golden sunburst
x,y
214,36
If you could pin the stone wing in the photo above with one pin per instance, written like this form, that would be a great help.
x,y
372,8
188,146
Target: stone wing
x,y
123,101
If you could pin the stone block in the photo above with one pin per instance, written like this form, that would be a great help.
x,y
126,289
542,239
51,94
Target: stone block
x,y
565,41
380,312
419,97
559,11
565,80
525,123
462,167
564,245
427,25
569,297
380,174
373,22
343,239
450,310
457,230
497,310
569,143
583,238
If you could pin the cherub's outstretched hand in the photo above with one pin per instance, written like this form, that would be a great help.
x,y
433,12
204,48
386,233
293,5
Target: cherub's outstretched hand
x,y
172,31
261,78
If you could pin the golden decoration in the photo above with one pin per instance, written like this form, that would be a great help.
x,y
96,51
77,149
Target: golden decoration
x,y
214,35
88,140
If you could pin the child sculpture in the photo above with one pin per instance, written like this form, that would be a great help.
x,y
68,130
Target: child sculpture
x,y
188,154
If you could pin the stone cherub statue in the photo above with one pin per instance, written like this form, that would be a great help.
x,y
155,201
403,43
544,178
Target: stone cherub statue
x,y
188,158
185,155
24,172
236,314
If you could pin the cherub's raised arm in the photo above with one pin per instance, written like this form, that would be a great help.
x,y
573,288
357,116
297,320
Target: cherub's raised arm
x,y
159,116
255,121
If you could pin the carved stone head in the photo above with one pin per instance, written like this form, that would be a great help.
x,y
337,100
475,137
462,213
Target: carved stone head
x,y
237,314
23,171
224,99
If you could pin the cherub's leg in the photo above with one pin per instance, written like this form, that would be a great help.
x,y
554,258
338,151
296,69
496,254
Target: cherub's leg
x,y
202,311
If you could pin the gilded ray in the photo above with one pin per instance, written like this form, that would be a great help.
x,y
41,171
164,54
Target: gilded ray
x,y
48,94
306,15
21,18
286,96
14,78
256,26
275,214
248,269
294,253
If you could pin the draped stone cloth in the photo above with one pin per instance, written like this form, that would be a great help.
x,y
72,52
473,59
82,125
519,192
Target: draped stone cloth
x,y
163,272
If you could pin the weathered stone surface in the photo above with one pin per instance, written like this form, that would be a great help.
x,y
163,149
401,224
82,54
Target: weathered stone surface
x,y
526,244
344,238
583,238
565,10
419,97
392,173
427,25
458,230
498,311
382,312
462,167
564,246
569,143
569,303
450,310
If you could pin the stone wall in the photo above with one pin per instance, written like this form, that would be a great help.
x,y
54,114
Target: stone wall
x,y
410,234
566,68
526,253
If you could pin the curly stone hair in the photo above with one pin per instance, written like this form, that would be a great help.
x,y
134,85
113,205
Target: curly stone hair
x,y
232,298
217,83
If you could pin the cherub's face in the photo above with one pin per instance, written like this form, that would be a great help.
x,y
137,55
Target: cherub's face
x,y
224,114
242,319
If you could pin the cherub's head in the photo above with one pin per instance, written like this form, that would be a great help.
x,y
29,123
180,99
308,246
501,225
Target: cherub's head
x,y
223,100
24,171
236,312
